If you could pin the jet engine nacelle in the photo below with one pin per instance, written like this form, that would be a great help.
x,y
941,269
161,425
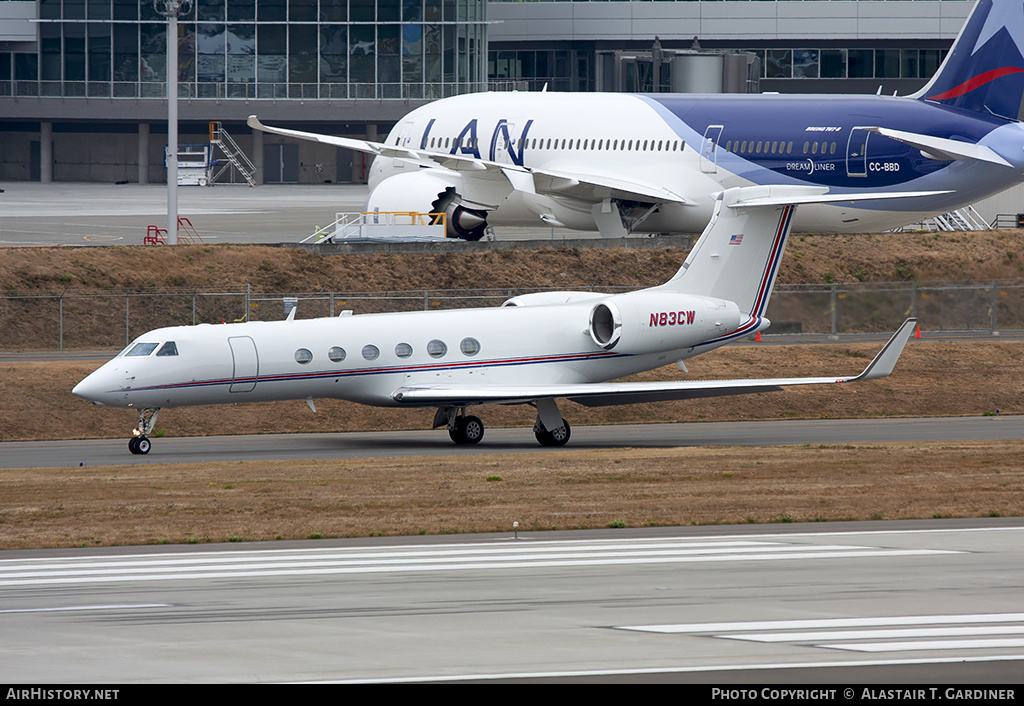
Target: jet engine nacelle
x,y
650,321
426,192
552,298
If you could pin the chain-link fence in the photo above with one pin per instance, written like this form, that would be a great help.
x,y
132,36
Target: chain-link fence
x,y
79,320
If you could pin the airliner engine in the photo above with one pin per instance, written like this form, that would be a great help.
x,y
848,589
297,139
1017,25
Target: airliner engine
x,y
428,192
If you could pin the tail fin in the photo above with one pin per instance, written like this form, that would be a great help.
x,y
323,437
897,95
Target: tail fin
x,y
737,257
984,70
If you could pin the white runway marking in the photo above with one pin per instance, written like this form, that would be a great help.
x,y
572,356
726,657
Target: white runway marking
x,y
862,635
518,555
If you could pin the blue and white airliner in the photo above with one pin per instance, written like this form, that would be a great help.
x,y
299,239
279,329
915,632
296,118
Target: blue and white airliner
x,y
621,163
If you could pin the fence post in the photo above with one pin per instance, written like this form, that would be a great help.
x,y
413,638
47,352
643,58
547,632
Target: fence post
x,y
835,309
126,307
993,309
60,322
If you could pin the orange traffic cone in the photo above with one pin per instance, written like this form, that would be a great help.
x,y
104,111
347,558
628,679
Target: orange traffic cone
x,y
758,336
917,334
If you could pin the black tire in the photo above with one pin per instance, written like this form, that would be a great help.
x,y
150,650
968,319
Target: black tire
x,y
559,437
143,445
133,444
467,430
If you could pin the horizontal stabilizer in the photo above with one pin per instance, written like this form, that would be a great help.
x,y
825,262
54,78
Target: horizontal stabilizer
x,y
942,148
614,393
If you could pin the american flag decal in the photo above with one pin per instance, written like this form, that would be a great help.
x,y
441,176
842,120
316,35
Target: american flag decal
x,y
736,239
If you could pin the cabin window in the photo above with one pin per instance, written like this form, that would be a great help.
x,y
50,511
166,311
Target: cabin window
x,y
141,349
832,148
169,348
303,356
403,350
469,346
437,349
814,148
371,352
336,354
806,147
789,148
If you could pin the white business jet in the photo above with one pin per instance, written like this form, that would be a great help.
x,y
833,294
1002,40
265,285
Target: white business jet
x,y
532,350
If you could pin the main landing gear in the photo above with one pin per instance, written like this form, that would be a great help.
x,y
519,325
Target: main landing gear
x,y
462,428
550,428
140,444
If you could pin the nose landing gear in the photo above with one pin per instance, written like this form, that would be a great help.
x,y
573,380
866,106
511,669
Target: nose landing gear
x,y
140,444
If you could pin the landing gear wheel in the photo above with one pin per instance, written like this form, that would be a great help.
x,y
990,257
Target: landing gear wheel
x,y
467,430
139,443
558,437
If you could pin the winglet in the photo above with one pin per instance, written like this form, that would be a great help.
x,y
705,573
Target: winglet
x,y
885,361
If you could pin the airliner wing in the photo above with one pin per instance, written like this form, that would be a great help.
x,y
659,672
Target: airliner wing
x,y
613,393
942,148
590,187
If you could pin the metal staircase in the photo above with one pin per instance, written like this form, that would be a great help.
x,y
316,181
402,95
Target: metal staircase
x,y
235,156
962,219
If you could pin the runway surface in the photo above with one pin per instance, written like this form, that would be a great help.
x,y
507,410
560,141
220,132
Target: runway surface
x,y
104,452
842,603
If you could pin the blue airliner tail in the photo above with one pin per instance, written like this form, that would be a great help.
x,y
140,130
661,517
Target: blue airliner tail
x,y
984,70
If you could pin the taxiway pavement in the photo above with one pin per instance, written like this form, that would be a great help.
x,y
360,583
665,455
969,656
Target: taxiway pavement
x,y
105,452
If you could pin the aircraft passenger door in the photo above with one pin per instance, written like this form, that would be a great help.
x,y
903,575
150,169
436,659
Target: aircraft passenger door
x,y
245,362
405,136
857,152
709,149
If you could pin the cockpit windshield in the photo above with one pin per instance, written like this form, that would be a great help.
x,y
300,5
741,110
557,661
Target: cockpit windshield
x,y
141,349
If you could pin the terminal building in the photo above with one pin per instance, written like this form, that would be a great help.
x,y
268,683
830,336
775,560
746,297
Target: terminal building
x,y
82,82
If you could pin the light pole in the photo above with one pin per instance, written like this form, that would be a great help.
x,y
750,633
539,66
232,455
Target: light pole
x,y
172,10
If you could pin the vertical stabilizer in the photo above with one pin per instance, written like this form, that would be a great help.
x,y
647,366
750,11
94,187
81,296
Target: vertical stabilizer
x,y
737,256
984,70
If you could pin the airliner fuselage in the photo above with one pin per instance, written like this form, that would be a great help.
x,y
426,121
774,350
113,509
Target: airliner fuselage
x,y
695,146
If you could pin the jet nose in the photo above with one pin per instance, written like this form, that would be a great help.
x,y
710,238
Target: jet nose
x,y
92,388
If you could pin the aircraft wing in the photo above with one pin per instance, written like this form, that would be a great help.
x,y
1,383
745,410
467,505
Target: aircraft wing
x,y
613,393
591,187
942,148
